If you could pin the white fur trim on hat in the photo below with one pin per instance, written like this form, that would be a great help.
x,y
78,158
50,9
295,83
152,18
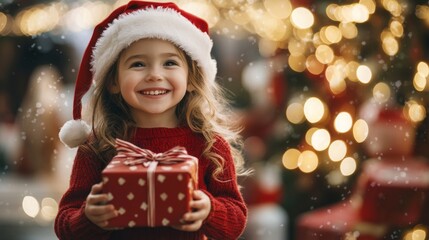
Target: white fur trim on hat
x,y
74,133
162,23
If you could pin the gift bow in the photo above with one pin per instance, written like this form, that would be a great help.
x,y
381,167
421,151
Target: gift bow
x,y
132,155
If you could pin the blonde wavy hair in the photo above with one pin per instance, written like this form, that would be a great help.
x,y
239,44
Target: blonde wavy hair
x,y
205,110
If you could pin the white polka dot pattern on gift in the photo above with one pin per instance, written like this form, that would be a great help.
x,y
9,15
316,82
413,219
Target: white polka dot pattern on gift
x,y
131,224
165,222
121,181
109,196
144,206
130,196
180,196
142,182
170,209
161,178
122,211
163,196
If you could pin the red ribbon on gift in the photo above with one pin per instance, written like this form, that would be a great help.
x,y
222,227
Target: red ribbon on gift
x,y
131,155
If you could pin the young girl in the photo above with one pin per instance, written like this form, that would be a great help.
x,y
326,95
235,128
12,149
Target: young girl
x,y
154,86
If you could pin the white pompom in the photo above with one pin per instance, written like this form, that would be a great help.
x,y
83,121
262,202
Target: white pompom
x,y
74,133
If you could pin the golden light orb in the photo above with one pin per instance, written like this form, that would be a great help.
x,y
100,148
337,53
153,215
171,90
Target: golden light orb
x,y
337,150
320,139
314,110
348,166
343,122
309,135
308,161
324,54
313,65
280,9
295,113
302,18
364,74
290,158
360,130
381,92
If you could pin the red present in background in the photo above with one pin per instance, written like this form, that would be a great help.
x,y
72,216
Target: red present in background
x,y
337,222
149,189
393,192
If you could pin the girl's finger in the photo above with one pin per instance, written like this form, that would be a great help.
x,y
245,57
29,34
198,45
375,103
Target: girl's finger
x,y
96,188
198,194
194,226
97,199
198,204
194,216
104,217
95,210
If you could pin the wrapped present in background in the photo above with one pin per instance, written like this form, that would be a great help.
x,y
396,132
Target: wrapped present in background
x,y
149,189
393,192
337,222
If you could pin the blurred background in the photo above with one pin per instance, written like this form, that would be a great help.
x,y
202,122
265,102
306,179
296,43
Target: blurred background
x,y
333,97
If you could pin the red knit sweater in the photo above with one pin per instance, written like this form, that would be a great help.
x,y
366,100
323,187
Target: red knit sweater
x,y
228,211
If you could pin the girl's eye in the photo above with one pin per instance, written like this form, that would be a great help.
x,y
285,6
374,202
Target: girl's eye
x,y
137,64
171,63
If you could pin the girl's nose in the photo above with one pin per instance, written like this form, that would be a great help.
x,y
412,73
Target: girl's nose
x,y
154,74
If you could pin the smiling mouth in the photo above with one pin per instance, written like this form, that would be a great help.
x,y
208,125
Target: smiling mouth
x,y
154,92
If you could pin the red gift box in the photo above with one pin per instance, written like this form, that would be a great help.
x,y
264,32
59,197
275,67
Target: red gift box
x,y
393,192
149,189
337,222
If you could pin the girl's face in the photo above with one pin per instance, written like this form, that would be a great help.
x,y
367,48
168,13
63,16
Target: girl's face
x,y
152,79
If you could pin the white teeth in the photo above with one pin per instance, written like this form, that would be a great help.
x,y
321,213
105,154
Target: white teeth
x,y
154,93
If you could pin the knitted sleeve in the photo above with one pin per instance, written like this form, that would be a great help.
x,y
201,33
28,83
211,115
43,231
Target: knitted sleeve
x,y
71,222
228,215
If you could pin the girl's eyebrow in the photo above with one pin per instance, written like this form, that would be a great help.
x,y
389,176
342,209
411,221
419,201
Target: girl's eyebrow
x,y
143,56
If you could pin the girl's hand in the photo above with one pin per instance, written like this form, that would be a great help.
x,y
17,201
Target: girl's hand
x,y
95,208
201,206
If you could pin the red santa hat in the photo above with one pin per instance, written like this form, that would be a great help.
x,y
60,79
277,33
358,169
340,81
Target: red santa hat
x,y
125,25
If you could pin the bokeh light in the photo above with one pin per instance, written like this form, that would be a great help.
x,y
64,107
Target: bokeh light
x,y
49,209
348,166
314,109
302,18
290,158
308,161
320,139
295,113
337,150
360,130
31,206
381,92
415,111
364,74
343,122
